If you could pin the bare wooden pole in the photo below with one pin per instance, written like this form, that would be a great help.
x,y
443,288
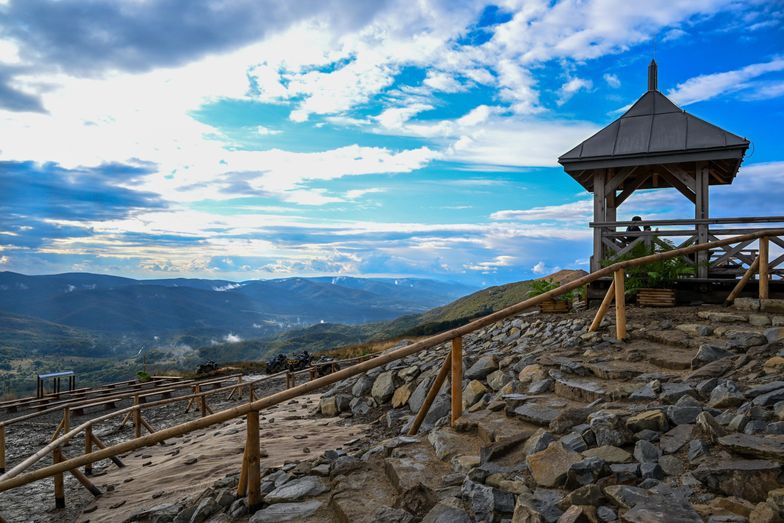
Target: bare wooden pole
x,y
86,483
88,447
743,281
457,379
146,425
2,449
620,304
253,456
137,417
202,401
59,487
101,445
764,252
242,485
57,430
431,395
608,298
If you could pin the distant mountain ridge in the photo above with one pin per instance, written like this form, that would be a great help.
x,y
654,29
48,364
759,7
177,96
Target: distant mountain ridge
x,y
113,304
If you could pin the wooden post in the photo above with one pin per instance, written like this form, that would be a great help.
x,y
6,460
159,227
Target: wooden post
x,y
2,449
743,281
431,395
764,252
101,445
203,403
251,394
701,185
608,298
59,487
457,378
599,214
137,417
88,447
66,419
620,304
253,456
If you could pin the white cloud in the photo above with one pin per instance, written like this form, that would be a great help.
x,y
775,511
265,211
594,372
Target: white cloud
x,y
707,86
355,194
579,211
612,80
539,268
572,87
4,260
491,266
445,82
232,338
266,131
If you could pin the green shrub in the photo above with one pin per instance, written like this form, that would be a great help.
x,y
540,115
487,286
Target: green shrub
x,y
541,286
655,275
143,376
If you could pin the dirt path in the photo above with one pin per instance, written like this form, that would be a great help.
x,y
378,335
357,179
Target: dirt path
x,y
161,475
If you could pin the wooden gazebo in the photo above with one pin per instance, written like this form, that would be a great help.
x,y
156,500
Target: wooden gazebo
x,y
654,145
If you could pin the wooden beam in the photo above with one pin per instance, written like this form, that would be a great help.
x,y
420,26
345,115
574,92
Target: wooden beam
x,y
88,447
629,188
457,379
701,187
681,188
743,281
137,417
101,445
682,176
620,304
608,298
242,484
599,214
431,395
253,457
616,177
764,253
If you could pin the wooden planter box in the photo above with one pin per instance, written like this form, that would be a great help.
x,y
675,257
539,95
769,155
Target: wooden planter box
x,y
656,297
554,306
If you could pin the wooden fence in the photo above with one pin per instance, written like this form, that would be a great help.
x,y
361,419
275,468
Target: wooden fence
x,y
250,476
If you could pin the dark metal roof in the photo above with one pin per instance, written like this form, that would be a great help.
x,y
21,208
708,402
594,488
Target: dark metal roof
x,y
655,131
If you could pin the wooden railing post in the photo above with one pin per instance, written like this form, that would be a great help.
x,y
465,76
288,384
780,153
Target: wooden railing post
x,y
764,251
431,395
253,456
202,403
2,449
743,281
88,447
608,298
59,487
137,417
457,378
620,304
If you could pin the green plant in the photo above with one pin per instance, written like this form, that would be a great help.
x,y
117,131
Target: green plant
x,y
143,376
655,275
541,286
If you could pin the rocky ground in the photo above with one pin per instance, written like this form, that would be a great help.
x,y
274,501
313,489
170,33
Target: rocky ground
x,y
682,422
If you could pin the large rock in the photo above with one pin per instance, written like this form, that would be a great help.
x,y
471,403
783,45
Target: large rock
x,y
483,366
286,512
497,379
663,509
608,429
362,387
537,414
402,394
329,406
550,466
774,334
487,503
769,447
748,479
304,487
650,419
726,395
609,454
473,393
707,354
384,387
444,512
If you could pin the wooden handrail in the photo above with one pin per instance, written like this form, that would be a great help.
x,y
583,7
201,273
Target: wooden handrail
x,y
700,221
9,480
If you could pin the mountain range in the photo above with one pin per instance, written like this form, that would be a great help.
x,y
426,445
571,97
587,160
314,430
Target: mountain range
x,y
110,304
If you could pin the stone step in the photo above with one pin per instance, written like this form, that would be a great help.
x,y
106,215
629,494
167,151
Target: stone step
x,y
492,426
417,475
359,495
619,369
665,356
587,390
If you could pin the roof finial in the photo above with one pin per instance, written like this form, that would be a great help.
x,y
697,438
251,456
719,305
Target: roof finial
x,y
653,76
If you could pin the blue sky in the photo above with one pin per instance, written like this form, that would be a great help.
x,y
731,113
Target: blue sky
x,y
247,139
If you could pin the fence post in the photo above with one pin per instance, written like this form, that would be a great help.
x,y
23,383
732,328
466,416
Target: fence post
x,y
88,447
764,251
620,304
457,378
2,449
137,417
59,487
253,456
431,395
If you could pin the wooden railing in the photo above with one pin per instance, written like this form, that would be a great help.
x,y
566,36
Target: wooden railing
x,y
728,260
250,475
